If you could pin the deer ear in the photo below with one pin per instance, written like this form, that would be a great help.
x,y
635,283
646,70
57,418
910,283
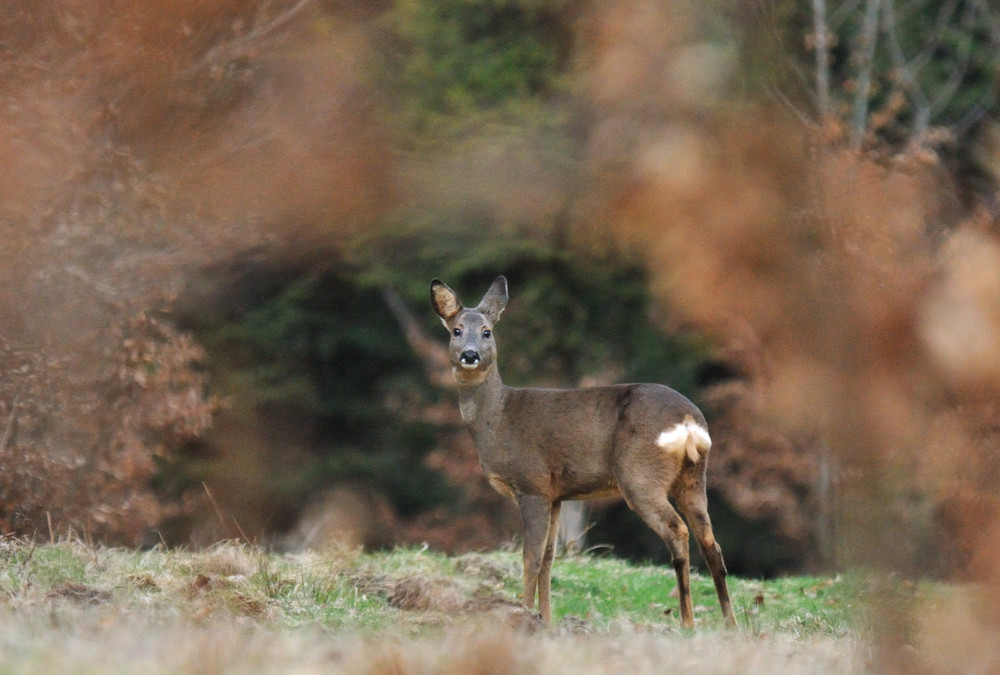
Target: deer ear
x,y
444,300
495,299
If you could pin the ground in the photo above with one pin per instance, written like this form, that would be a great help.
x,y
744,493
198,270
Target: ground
x,y
236,608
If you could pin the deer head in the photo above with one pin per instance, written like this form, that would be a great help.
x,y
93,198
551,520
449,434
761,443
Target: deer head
x,y
472,350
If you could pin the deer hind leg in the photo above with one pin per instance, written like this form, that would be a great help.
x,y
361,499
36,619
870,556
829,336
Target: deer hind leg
x,y
545,570
691,498
652,505
536,516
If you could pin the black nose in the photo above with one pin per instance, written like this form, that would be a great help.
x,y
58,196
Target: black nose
x,y
470,356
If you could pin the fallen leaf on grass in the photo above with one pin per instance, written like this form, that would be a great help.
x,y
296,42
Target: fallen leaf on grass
x,y
201,584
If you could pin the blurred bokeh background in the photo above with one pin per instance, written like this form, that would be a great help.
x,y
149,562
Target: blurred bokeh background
x,y
220,219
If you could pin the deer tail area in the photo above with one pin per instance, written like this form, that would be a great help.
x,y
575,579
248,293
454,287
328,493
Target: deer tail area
x,y
686,437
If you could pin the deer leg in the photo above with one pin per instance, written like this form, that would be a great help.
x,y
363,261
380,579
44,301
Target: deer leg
x,y
545,571
535,516
657,512
694,505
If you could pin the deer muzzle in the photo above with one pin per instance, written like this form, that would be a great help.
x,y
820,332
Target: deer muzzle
x,y
469,358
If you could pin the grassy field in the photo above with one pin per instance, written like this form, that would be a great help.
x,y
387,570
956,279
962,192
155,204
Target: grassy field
x,y
67,607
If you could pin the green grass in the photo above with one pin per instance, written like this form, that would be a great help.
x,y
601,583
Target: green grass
x,y
70,607
350,590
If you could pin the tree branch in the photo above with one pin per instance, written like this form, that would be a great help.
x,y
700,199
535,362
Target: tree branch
x,y
229,50
821,36
433,355
866,47
922,109
964,58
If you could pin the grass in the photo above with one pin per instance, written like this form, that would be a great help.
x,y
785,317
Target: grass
x,y
67,607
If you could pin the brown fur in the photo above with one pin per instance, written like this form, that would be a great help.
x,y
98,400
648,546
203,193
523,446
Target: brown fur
x,y
544,446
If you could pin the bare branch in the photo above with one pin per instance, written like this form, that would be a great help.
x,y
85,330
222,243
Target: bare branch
x,y
866,46
935,34
992,21
961,67
988,100
922,109
433,355
803,117
841,12
8,431
821,35
262,29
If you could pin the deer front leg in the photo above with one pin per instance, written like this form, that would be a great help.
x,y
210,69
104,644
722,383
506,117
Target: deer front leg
x,y
536,514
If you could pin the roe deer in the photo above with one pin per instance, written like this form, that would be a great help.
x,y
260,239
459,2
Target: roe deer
x,y
540,447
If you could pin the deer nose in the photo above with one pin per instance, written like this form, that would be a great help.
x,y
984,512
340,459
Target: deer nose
x,y
469,357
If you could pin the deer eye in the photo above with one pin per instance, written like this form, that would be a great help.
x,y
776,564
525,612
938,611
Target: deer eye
x,y
487,333
457,332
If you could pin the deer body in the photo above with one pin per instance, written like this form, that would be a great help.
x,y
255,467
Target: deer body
x,y
561,443
541,447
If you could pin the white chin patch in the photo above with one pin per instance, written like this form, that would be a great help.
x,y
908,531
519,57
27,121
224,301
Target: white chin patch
x,y
470,366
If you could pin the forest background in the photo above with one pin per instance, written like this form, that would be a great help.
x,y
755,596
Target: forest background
x,y
221,219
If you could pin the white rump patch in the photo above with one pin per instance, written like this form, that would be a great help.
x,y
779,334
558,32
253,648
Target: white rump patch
x,y
675,436
688,437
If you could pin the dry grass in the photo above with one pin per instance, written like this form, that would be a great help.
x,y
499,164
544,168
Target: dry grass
x,y
67,607
103,642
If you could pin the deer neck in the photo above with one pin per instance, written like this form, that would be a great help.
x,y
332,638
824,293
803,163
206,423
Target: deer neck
x,y
479,403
